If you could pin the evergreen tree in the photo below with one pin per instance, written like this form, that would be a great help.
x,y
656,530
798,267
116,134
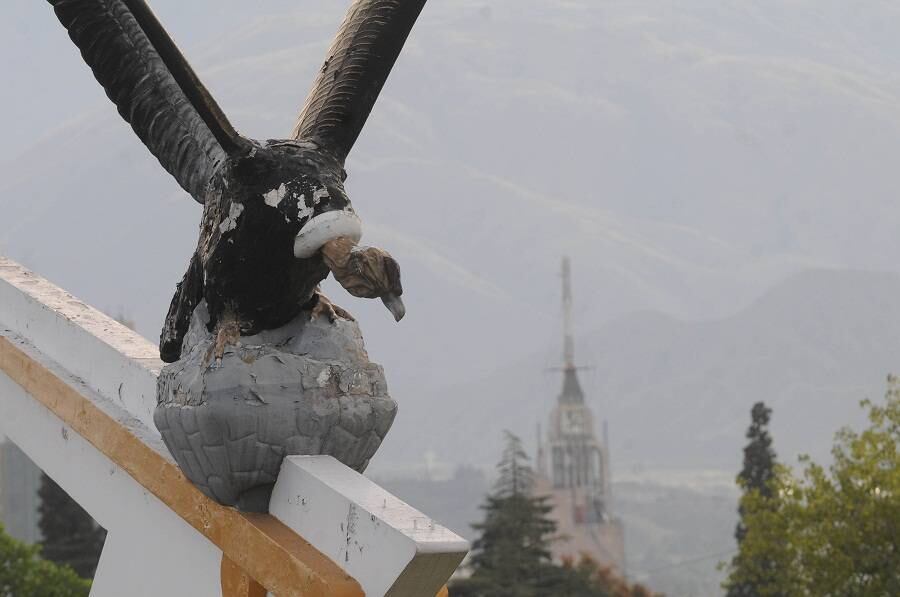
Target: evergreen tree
x,y
755,479
511,558
759,461
71,536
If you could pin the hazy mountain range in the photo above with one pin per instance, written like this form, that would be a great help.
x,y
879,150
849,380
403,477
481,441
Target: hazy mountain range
x,y
677,394
689,156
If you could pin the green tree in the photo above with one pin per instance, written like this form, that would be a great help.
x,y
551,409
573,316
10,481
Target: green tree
x,y
834,530
23,573
763,564
511,558
755,480
759,457
71,536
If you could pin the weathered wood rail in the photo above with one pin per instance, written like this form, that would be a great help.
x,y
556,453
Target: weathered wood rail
x,y
77,393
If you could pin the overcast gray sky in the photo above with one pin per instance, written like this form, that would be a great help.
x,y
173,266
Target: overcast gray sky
x,y
691,157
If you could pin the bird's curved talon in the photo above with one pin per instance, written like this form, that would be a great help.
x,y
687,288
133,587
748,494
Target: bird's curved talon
x,y
228,333
342,313
324,306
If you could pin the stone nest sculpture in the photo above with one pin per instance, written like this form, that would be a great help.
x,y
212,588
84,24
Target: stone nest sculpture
x,y
305,388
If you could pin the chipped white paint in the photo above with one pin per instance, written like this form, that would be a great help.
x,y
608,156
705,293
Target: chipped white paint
x,y
230,222
303,210
325,227
320,194
274,197
386,544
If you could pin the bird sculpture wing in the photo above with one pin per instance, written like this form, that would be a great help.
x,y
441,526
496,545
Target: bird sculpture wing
x,y
152,85
355,69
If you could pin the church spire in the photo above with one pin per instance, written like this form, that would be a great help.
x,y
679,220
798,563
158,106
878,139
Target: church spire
x,y
571,391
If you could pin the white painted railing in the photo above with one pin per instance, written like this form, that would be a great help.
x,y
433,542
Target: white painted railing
x,y
77,393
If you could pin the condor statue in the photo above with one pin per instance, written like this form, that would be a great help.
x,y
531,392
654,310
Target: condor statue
x,y
276,220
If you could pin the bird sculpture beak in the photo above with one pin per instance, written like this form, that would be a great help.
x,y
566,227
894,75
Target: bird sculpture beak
x,y
395,306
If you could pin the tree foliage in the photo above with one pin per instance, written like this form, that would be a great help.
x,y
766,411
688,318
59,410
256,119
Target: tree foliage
x,y
834,530
511,558
23,573
587,578
515,475
755,478
71,536
759,457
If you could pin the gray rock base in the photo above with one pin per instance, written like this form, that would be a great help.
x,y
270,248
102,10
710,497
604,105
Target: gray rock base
x,y
306,388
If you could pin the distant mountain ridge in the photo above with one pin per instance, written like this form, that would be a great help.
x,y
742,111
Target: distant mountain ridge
x,y
677,394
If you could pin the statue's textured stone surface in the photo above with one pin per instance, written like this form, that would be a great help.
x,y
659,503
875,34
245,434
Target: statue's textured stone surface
x,y
305,388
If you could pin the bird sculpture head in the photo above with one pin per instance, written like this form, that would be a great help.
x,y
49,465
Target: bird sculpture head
x,y
367,272
277,219
301,187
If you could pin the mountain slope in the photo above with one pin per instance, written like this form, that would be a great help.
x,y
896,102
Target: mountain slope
x,y
678,394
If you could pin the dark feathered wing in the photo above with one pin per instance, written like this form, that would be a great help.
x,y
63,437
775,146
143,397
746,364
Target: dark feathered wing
x,y
152,85
356,68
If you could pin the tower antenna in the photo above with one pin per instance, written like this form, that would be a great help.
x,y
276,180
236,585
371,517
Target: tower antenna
x,y
568,339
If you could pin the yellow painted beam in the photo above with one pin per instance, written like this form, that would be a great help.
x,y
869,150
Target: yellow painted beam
x,y
237,583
